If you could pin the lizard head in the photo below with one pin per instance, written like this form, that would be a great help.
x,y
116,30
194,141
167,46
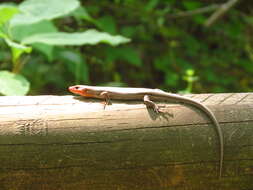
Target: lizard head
x,y
82,90
78,89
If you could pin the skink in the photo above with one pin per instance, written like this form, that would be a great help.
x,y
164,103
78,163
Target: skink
x,y
147,95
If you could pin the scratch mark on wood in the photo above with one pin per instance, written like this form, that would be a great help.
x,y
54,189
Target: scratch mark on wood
x,y
239,101
32,127
225,98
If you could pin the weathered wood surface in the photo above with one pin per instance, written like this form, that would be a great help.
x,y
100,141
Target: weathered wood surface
x,y
62,142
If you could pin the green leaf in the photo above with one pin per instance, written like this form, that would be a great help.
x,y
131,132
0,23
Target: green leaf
x,y
7,12
171,78
22,31
124,53
45,49
33,11
162,63
128,31
4,55
199,19
18,46
13,84
190,5
81,13
91,37
17,49
151,5
3,35
76,65
132,56
107,24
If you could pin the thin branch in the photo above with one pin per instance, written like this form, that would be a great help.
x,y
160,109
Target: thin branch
x,y
220,12
196,11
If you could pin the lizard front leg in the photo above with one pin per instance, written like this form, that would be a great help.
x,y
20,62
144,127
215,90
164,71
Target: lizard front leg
x,y
107,101
151,104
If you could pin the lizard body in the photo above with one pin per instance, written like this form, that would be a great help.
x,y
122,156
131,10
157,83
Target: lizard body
x,y
146,94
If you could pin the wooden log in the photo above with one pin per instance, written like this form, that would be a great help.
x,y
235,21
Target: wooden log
x,y
62,142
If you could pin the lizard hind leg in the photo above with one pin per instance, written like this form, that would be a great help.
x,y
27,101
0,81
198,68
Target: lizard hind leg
x,y
151,104
106,97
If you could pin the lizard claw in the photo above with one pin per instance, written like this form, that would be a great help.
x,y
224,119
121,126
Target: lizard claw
x,y
107,98
156,109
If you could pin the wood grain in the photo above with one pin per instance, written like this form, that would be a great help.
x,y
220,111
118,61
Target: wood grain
x,y
66,142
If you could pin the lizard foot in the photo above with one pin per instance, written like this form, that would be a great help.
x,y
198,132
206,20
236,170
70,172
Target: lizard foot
x,y
151,104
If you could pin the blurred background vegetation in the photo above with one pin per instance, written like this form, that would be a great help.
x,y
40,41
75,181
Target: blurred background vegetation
x,y
175,46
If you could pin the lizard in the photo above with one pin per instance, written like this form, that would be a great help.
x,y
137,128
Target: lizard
x,y
147,95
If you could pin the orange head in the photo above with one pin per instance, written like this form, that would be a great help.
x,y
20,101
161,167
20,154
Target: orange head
x,y
82,90
77,89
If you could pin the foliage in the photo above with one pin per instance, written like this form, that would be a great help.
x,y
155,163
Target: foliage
x,y
166,51
31,23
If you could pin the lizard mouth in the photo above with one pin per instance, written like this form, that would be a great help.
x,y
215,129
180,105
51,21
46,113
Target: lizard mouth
x,y
72,89
75,90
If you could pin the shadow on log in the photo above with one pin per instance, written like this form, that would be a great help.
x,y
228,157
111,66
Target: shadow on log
x,y
62,142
